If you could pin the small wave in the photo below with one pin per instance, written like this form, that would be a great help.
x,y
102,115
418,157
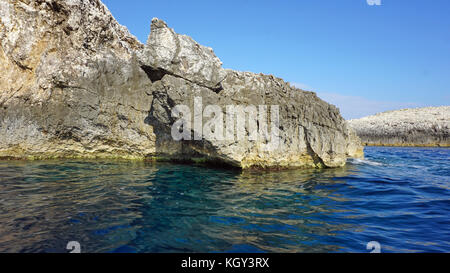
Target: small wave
x,y
365,162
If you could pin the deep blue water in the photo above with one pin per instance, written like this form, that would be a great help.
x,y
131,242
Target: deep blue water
x,y
399,197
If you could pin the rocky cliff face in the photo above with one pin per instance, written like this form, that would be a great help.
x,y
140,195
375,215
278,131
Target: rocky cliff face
x,y
75,83
70,83
409,127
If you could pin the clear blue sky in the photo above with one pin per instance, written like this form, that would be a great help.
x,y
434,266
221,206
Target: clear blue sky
x,y
364,59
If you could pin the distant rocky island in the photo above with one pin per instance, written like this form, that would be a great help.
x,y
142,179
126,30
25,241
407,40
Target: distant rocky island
x,y
428,126
76,84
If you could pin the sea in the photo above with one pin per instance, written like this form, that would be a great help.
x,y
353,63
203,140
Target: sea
x,y
394,200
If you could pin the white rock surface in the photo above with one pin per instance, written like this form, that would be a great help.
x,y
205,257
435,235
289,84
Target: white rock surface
x,y
181,56
428,126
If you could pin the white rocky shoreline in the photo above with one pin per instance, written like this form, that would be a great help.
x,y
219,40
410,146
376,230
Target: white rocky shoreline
x,y
416,127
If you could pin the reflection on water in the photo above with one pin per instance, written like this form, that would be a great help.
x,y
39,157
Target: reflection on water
x,y
119,206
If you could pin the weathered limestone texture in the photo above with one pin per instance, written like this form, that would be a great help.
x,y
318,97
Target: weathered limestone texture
x,y
75,83
409,127
70,84
179,55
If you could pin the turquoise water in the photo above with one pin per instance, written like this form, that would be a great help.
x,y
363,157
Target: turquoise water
x,y
399,197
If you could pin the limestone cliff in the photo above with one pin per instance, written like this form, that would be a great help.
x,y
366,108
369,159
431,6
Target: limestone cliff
x,y
75,83
70,85
408,127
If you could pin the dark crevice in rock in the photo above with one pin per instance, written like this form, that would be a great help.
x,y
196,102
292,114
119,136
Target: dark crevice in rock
x,y
318,161
68,134
157,74
218,88
55,6
10,97
154,74
22,66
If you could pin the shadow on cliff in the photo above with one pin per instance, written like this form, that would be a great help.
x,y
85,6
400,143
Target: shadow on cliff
x,y
185,151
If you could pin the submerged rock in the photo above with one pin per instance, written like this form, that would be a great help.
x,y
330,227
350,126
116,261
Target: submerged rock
x,y
408,127
75,83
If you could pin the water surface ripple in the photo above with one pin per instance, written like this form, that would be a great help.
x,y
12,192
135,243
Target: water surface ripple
x,y
399,197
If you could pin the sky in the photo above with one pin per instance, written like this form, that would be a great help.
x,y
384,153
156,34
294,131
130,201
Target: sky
x,y
363,58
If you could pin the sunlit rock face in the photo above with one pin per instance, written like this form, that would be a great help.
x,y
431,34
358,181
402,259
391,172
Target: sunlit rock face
x,y
70,84
179,55
428,126
75,83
